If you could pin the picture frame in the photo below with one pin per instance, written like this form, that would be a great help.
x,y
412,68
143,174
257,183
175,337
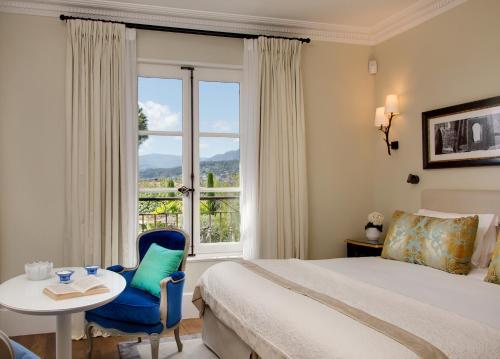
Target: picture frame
x,y
465,135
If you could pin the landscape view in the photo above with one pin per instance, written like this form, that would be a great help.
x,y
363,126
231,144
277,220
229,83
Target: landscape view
x,y
219,211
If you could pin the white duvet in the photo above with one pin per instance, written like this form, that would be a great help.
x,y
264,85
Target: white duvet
x,y
459,315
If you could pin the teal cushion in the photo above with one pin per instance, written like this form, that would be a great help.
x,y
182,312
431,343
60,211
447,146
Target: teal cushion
x,y
157,264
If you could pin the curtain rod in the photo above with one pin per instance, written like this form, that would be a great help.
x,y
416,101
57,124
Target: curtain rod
x,y
185,30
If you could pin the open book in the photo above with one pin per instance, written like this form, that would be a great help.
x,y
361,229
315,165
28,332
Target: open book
x,y
88,285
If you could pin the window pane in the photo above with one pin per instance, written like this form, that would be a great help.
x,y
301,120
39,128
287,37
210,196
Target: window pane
x,y
219,107
160,162
219,217
159,209
160,104
219,162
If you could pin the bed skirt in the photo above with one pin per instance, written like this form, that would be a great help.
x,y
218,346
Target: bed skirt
x,y
222,340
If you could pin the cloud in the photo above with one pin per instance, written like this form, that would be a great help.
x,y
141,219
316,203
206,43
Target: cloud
x,y
221,126
145,147
160,117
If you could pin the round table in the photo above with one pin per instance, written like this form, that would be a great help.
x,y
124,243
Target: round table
x,y
22,295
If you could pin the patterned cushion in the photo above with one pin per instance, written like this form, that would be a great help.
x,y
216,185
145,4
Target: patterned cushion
x,y
493,275
445,244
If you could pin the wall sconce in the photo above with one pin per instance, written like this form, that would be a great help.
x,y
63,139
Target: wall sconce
x,y
383,120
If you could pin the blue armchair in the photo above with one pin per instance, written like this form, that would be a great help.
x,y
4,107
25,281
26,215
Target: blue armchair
x,y
9,349
137,312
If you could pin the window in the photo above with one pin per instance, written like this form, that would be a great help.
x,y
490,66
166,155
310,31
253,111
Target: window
x,y
200,152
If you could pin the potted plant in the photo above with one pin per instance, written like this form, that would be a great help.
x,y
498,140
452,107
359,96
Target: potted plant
x,y
374,227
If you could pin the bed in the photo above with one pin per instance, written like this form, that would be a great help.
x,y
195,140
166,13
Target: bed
x,y
353,307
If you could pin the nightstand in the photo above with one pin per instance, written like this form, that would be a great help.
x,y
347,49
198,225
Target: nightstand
x,y
363,248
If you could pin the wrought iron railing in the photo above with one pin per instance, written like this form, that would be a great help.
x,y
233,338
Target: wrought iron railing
x,y
219,216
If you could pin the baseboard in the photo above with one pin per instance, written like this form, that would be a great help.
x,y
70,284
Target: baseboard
x,y
188,308
13,323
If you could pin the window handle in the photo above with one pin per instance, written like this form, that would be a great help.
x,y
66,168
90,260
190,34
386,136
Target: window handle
x,y
185,190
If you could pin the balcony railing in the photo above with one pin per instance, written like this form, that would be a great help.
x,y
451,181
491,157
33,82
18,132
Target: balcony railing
x,y
219,216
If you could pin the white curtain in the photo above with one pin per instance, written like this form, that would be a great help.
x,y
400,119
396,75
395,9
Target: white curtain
x,y
101,145
128,159
250,130
280,176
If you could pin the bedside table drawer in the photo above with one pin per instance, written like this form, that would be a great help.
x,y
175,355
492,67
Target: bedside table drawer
x,y
363,248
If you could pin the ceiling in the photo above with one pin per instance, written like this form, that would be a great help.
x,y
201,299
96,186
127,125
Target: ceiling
x,y
365,13
351,21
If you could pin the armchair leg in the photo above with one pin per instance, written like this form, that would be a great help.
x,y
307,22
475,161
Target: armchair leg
x,y
154,339
178,339
88,331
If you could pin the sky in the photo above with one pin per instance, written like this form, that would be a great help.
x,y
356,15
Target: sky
x,y
161,101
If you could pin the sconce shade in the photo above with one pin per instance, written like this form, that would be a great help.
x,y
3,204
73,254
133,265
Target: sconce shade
x,y
380,117
392,104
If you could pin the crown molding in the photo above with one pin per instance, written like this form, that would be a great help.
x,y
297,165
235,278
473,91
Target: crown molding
x,y
420,12
411,17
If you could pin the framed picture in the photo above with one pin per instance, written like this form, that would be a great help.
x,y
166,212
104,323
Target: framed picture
x,y
463,135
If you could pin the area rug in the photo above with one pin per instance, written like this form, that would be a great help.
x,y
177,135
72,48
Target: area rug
x,y
193,348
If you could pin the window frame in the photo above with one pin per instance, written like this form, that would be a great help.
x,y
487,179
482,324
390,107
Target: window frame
x,y
228,74
213,75
172,72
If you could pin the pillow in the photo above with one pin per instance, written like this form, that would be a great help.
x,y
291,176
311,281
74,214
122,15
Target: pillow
x,y
493,275
157,264
485,237
444,244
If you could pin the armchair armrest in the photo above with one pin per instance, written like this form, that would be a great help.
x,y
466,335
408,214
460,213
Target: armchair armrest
x,y
6,350
171,299
127,273
117,268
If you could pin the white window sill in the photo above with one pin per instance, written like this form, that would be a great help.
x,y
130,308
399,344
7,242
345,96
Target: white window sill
x,y
211,257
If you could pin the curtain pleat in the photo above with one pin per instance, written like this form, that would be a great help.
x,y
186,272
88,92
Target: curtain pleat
x,y
99,149
280,174
101,107
250,133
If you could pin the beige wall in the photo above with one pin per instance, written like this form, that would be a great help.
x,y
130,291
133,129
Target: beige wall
x,y
451,59
181,47
338,97
32,63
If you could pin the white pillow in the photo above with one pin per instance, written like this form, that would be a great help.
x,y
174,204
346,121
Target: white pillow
x,y
485,237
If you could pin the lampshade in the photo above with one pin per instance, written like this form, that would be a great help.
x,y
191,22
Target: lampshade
x,y
392,104
380,117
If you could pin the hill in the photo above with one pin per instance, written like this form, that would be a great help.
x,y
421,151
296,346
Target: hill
x,y
158,160
223,171
228,156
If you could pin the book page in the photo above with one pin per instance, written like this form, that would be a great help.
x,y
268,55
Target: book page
x,y
86,283
61,289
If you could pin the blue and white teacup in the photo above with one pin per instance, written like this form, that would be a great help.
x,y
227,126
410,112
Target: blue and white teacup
x,y
65,275
92,270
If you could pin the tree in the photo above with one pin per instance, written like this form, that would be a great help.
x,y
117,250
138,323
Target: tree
x,y
143,125
171,184
211,204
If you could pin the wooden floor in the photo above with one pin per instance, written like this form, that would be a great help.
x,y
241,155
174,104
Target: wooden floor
x,y
104,348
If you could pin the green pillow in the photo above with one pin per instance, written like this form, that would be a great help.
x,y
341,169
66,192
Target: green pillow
x,y
157,264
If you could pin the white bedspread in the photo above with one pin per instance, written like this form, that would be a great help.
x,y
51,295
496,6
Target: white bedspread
x,y
468,296
279,323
